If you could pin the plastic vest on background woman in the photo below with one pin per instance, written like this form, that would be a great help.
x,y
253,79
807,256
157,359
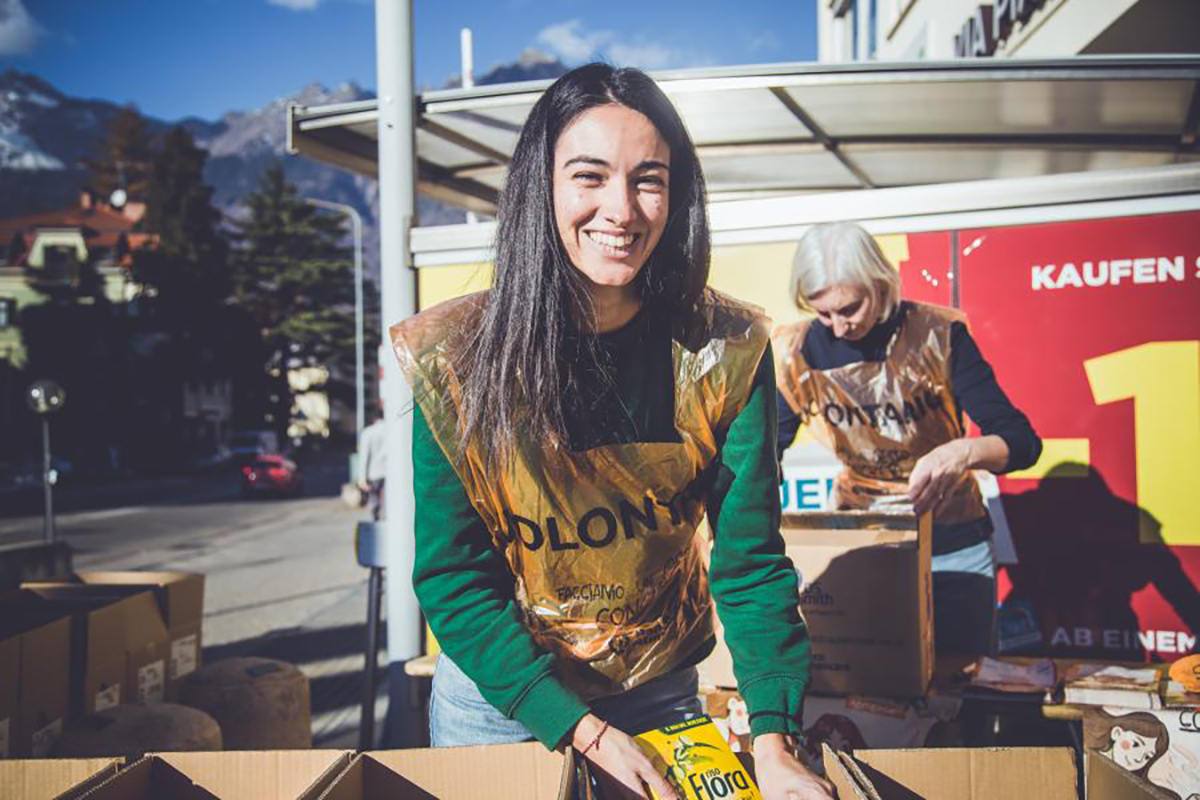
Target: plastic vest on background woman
x,y
879,417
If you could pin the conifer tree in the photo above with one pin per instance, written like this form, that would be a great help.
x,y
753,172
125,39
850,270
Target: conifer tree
x,y
125,156
294,275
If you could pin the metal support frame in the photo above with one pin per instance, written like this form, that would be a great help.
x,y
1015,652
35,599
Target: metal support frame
x,y
821,136
397,207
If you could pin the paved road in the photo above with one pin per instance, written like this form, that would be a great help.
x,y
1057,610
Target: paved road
x,y
282,579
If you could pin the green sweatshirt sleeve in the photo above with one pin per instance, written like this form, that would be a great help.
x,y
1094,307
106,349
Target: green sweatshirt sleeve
x,y
466,591
753,581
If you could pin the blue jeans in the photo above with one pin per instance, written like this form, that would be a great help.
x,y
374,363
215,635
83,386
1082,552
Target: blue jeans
x,y
964,601
459,716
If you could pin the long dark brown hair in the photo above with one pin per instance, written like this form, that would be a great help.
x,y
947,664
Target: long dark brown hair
x,y
514,382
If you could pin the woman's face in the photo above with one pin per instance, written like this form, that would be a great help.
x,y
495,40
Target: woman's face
x,y
848,311
611,192
1131,750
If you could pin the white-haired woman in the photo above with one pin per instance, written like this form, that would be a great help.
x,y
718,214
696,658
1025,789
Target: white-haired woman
x,y
884,382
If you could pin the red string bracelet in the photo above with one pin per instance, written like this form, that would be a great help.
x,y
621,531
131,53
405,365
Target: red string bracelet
x,y
595,742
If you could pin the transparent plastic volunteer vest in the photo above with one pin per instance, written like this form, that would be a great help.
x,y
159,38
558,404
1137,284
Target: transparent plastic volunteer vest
x,y
602,543
880,417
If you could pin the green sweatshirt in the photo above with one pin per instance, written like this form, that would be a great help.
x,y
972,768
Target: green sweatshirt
x,y
466,589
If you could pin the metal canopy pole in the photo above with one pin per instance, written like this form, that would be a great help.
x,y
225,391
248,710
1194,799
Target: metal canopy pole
x,y
397,203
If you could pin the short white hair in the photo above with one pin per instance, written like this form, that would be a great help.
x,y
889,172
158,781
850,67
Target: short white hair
x,y
834,253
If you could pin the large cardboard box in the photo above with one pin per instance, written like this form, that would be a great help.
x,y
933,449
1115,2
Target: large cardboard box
x,y
866,595
60,779
40,677
118,643
180,597
496,772
260,775
1028,773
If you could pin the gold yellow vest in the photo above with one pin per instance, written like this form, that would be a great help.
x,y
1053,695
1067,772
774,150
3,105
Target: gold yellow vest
x,y
880,417
602,543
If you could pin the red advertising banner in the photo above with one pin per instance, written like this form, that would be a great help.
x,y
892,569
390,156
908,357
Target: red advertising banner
x,y
1093,329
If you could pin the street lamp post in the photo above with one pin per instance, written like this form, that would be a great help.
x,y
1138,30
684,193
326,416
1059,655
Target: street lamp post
x,y
46,397
356,226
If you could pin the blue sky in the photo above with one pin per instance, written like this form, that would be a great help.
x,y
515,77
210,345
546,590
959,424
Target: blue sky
x,y
178,58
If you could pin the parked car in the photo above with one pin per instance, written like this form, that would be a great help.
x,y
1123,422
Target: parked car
x,y
271,473
249,444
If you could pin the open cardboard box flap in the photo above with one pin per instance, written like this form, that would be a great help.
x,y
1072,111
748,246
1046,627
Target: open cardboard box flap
x,y
1107,781
249,775
1030,773
180,595
61,779
495,772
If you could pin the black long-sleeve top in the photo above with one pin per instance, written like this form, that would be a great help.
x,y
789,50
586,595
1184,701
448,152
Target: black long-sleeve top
x,y
972,382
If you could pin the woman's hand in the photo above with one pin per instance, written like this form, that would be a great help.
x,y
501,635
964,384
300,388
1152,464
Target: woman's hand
x,y
936,474
781,776
618,755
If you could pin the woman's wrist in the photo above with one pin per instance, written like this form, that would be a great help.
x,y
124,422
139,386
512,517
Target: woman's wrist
x,y
586,731
773,745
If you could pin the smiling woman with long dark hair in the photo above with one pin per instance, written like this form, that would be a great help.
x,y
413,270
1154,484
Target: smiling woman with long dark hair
x,y
572,427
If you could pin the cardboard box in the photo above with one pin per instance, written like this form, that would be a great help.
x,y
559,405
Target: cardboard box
x,y
844,723
1159,746
61,779
496,772
180,597
867,597
1029,773
41,643
1107,781
260,775
118,643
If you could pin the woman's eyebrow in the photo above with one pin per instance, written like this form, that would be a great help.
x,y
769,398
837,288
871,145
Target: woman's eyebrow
x,y
590,160
648,164
652,164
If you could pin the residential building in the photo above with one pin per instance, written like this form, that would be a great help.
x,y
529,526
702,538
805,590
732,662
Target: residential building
x,y
919,30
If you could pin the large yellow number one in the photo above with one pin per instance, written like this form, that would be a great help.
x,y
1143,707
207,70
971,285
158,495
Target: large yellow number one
x,y
1163,379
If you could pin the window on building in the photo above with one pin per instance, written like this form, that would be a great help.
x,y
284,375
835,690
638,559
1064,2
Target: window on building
x,y
854,31
872,28
8,312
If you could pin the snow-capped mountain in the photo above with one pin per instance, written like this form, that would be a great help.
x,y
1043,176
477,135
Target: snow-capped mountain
x,y
45,137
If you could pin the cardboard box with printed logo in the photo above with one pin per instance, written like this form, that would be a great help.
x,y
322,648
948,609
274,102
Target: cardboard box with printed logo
x,y
1029,773
119,645
259,775
40,642
495,772
60,779
866,595
180,597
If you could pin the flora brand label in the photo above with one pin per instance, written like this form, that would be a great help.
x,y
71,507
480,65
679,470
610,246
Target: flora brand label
x,y
697,760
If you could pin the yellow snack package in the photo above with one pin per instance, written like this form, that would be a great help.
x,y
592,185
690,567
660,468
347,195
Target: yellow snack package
x,y
697,760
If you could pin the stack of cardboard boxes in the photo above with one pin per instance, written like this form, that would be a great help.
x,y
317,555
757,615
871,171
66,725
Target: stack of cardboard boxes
x,y
72,648
866,596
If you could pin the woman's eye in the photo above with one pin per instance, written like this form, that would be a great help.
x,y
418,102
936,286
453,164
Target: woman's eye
x,y
651,182
587,177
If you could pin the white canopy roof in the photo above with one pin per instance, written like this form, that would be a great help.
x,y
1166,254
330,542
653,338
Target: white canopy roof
x,y
797,128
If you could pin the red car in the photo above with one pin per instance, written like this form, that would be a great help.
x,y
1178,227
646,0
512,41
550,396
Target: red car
x,y
273,474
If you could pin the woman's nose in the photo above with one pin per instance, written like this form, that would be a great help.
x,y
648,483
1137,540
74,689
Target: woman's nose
x,y
618,203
